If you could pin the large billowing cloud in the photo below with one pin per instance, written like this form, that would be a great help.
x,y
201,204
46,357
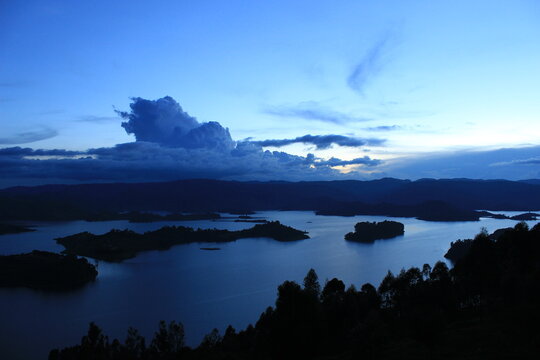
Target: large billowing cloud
x,y
170,144
164,122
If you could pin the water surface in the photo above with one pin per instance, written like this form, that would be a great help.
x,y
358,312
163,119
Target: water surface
x,y
205,289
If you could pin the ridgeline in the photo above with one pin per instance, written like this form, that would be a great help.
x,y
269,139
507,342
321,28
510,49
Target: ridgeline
x,y
426,199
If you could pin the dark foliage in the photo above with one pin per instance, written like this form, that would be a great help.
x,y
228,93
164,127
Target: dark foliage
x,y
118,245
486,307
370,231
458,249
45,271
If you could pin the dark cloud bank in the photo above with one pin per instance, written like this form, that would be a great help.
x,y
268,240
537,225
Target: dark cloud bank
x,y
171,144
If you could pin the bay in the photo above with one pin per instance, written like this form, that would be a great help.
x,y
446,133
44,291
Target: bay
x,y
205,289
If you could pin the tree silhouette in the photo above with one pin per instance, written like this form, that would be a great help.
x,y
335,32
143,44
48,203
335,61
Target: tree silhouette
x,y
311,283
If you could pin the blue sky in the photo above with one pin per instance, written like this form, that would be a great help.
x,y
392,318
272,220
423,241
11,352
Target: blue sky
x,y
433,81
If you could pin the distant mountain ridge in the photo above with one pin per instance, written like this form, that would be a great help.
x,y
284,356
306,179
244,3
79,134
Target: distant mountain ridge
x,y
202,195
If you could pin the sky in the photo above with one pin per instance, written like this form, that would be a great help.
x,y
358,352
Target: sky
x,y
254,90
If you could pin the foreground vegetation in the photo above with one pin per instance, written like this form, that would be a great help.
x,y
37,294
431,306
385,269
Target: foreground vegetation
x,y
44,270
118,245
486,307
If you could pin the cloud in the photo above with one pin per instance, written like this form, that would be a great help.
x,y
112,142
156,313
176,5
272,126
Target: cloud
x,y
21,152
369,66
97,119
146,161
505,163
322,141
530,161
164,122
29,136
170,144
383,128
312,110
366,160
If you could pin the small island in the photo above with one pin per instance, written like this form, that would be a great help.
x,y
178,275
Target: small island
x,y
118,245
44,270
13,229
525,216
256,221
368,232
528,216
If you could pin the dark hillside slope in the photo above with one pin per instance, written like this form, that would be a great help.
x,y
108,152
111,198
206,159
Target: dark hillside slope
x,y
469,194
78,201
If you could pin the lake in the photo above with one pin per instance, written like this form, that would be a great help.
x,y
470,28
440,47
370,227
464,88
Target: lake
x,y
205,289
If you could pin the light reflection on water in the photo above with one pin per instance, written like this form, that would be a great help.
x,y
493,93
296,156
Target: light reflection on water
x,y
206,289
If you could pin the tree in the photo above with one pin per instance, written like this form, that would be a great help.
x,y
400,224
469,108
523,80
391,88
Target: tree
x,y
311,283
168,339
135,344
332,289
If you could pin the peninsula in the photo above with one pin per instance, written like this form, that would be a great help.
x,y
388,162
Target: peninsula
x,y
118,245
45,271
13,229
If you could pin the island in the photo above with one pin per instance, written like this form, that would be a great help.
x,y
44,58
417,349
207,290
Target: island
x,y
525,216
528,216
368,232
257,221
119,245
13,229
44,270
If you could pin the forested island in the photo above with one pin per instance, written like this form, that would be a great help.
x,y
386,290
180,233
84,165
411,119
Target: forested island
x,y
118,245
44,270
368,232
486,307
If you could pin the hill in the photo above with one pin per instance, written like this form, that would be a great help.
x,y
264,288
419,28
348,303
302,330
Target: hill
x,y
387,196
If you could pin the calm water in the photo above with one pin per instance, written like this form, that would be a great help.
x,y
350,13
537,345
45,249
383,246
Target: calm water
x,y
205,289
